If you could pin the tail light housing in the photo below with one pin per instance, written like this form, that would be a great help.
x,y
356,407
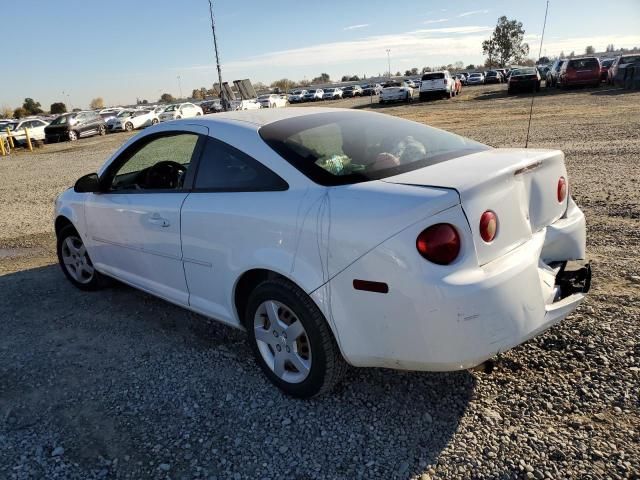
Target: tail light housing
x,y
562,189
488,226
440,243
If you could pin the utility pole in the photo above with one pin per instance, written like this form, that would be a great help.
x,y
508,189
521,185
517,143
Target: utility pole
x,y
389,62
223,100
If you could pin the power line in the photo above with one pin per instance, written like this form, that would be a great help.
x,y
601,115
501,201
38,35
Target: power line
x,y
533,95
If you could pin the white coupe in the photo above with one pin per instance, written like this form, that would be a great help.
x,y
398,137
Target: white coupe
x,y
128,120
334,237
180,110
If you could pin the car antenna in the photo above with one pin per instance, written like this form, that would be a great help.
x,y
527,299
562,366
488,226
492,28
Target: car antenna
x,y
533,94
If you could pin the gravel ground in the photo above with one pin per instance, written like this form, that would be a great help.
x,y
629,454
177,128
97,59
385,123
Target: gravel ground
x,y
118,384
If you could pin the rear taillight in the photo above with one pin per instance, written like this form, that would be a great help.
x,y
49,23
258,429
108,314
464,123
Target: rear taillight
x,y
488,226
445,81
562,189
440,243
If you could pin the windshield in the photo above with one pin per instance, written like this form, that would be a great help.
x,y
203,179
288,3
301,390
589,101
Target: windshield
x,y
523,71
583,63
62,120
475,75
171,108
297,92
124,113
11,126
338,148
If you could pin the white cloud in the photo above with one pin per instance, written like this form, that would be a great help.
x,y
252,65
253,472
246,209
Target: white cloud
x,y
473,12
355,27
440,20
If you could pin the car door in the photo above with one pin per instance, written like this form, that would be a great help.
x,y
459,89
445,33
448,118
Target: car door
x,y
134,223
234,197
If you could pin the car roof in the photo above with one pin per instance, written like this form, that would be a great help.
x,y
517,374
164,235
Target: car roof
x,y
261,117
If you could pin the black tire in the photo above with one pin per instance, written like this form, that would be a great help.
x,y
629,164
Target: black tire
x,y
97,280
128,126
327,365
72,136
155,121
102,130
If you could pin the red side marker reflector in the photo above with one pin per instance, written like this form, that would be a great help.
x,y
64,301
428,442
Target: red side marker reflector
x,y
368,286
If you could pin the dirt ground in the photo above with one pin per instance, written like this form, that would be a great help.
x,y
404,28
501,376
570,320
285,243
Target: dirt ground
x,y
115,374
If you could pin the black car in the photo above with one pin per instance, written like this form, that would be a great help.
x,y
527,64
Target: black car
x,y
524,79
72,126
352,91
493,76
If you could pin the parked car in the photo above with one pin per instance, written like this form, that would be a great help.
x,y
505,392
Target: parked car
x,y
242,104
620,63
313,95
75,125
580,71
551,80
297,96
36,128
180,110
462,77
128,120
210,106
352,91
369,89
524,79
493,76
604,68
437,84
503,72
272,100
475,78
396,92
332,93
462,251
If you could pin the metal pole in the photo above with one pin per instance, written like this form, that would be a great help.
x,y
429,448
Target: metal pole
x,y
389,62
215,46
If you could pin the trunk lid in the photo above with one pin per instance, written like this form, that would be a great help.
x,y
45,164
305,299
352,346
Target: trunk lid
x,y
433,81
519,185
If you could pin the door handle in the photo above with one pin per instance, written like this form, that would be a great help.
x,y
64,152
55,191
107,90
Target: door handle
x,y
156,219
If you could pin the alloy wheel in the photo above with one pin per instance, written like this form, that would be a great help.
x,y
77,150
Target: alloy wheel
x,y
76,261
282,341
73,136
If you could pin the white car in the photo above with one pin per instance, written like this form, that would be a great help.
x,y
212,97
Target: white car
x,y
250,104
334,236
332,93
297,96
272,100
440,84
475,79
180,110
128,120
16,127
396,92
313,95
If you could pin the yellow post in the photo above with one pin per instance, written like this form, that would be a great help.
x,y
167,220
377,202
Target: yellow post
x,y
29,146
2,150
10,138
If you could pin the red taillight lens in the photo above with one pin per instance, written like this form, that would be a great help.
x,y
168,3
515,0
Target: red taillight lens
x,y
488,226
562,189
440,243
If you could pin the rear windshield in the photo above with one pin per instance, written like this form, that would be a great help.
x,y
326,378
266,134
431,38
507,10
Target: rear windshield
x,y
62,120
433,76
349,147
607,63
630,59
583,63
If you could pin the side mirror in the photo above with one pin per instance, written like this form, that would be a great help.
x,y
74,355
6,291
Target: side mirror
x,y
87,184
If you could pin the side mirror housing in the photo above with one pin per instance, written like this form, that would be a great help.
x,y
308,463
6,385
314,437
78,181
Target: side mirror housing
x,y
87,184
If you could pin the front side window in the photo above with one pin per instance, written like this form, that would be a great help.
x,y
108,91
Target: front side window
x,y
349,147
159,164
224,168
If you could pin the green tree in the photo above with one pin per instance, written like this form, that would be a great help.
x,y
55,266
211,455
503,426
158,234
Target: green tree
x,y
31,107
166,98
283,85
57,108
97,103
398,74
414,71
471,66
407,73
6,111
610,48
426,69
323,78
20,112
506,42
589,50
196,94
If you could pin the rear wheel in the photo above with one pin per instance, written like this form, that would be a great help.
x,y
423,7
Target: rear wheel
x,y
72,135
128,126
102,130
291,340
154,121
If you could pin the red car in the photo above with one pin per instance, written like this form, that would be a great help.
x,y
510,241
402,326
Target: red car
x,y
580,71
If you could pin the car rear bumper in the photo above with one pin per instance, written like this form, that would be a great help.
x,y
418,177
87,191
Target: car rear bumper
x,y
459,317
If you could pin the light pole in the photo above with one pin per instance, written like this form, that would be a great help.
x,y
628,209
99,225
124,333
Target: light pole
x,y
179,86
223,101
389,62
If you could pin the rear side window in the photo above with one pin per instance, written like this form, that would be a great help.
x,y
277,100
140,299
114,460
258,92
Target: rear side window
x,y
349,147
226,169
433,76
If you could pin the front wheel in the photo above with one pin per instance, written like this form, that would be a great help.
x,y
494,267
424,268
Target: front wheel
x,y
72,136
291,340
102,130
128,126
154,121
75,262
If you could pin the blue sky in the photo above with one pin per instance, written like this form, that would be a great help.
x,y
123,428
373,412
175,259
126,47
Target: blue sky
x,y
123,49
